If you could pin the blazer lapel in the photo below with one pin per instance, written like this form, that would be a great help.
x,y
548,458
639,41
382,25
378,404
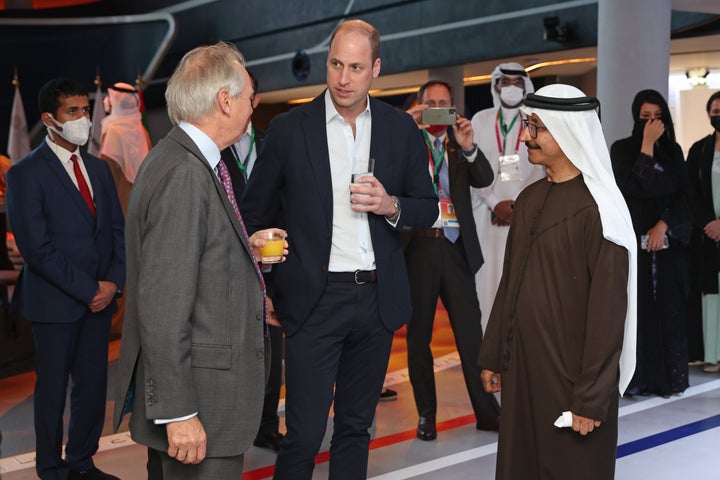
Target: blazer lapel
x,y
316,141
379,143
706,161
57,168
183,139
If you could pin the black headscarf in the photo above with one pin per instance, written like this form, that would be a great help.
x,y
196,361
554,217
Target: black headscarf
x,y
654,97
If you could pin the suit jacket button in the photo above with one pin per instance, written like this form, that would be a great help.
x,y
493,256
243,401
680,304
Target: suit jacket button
x,y
260,354
328,234
324,268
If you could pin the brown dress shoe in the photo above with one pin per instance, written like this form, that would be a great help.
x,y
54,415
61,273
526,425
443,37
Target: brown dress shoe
x,y
426,429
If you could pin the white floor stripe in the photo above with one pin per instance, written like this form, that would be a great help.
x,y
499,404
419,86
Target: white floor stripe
x,y
119,440
490,449
439,463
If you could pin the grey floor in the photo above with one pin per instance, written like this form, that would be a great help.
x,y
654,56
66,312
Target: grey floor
x,y
674,438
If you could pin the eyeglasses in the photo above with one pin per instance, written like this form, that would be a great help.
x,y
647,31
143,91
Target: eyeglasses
x,y
507,81
532,128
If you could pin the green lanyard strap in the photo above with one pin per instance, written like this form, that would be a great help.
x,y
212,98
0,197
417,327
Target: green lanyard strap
x,y
437,159
243,165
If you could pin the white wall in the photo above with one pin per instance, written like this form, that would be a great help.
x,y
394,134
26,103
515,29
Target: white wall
x,y
687,107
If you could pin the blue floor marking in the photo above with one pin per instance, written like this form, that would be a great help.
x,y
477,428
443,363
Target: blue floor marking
x,y
667,436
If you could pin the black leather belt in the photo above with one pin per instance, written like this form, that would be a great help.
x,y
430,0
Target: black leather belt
x,y
358,277
429,233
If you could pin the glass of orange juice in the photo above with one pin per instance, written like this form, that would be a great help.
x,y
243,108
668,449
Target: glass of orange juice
x,y
272,251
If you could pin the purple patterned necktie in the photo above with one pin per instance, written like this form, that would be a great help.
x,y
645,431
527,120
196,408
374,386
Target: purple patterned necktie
x,y
227,185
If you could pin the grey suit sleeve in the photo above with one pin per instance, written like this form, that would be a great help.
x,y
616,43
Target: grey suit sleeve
x,y
173,238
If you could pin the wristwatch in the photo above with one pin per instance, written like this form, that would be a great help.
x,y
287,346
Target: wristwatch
x,y
396,215
469,153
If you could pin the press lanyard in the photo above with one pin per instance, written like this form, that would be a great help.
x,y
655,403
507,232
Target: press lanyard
x,y
500,125
243,165
435,161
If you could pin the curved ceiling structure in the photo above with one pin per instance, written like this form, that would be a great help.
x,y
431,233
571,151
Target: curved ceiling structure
x,y
124,38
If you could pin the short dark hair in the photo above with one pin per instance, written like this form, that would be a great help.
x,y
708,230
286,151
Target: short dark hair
x,y
51,93
254,81
432,83
713,97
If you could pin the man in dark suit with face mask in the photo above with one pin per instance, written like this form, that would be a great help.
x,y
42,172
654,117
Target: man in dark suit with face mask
x,y
68,225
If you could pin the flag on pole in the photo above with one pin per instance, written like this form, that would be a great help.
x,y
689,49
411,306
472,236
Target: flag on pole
x,y
97,117
18,137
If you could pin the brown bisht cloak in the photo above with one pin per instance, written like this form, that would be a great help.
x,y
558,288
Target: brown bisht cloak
x,y
555,334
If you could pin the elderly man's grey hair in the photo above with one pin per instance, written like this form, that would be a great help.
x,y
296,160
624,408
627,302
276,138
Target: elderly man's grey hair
x,y
200,75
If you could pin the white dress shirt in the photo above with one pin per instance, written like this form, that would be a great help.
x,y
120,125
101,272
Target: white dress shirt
x,y
64,157
242,147
352,247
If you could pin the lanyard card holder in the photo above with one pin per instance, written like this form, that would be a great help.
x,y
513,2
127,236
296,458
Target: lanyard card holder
x,y
509,168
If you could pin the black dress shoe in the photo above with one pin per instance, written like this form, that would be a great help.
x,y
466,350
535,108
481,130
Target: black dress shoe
x,y
426,429
489,424
92,474
270,440
388,395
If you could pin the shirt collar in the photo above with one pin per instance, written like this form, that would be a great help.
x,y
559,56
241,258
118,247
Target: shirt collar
x,y
331,112
205,144
433,137
61,153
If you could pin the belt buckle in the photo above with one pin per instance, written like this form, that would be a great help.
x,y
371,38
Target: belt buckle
x,y
358,282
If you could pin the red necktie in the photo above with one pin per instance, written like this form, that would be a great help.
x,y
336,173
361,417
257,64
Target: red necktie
x,y
82,184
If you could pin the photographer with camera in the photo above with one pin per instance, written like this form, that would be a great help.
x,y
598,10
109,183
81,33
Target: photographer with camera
x,y
442,260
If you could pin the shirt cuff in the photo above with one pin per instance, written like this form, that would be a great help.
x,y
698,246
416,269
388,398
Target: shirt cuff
x,y
471,155
163,421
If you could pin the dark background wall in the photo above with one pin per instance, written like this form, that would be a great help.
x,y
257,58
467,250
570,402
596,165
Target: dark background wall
x,y
417,34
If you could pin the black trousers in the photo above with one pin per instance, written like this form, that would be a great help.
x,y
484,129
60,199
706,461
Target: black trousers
x,y
438,268
270,420
342,344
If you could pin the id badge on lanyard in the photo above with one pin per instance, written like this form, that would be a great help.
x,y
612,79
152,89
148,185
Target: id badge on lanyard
x,y
508,165
448,217
509,168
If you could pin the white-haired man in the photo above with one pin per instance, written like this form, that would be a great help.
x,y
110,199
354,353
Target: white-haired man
x,y
560,342
193,357
497,135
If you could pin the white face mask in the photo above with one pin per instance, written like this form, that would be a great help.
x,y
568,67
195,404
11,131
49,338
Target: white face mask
x,y
511,95
76,132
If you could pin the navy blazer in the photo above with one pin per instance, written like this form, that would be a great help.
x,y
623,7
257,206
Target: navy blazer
x,y
292,173
66,250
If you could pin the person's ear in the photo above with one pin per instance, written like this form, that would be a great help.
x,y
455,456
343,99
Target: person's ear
x,y
47,119
223,100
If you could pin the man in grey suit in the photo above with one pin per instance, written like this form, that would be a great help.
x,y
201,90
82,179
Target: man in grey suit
x,y
193,358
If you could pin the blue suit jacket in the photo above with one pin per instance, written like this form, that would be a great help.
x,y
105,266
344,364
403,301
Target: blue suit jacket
x,y
292,175
66,250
